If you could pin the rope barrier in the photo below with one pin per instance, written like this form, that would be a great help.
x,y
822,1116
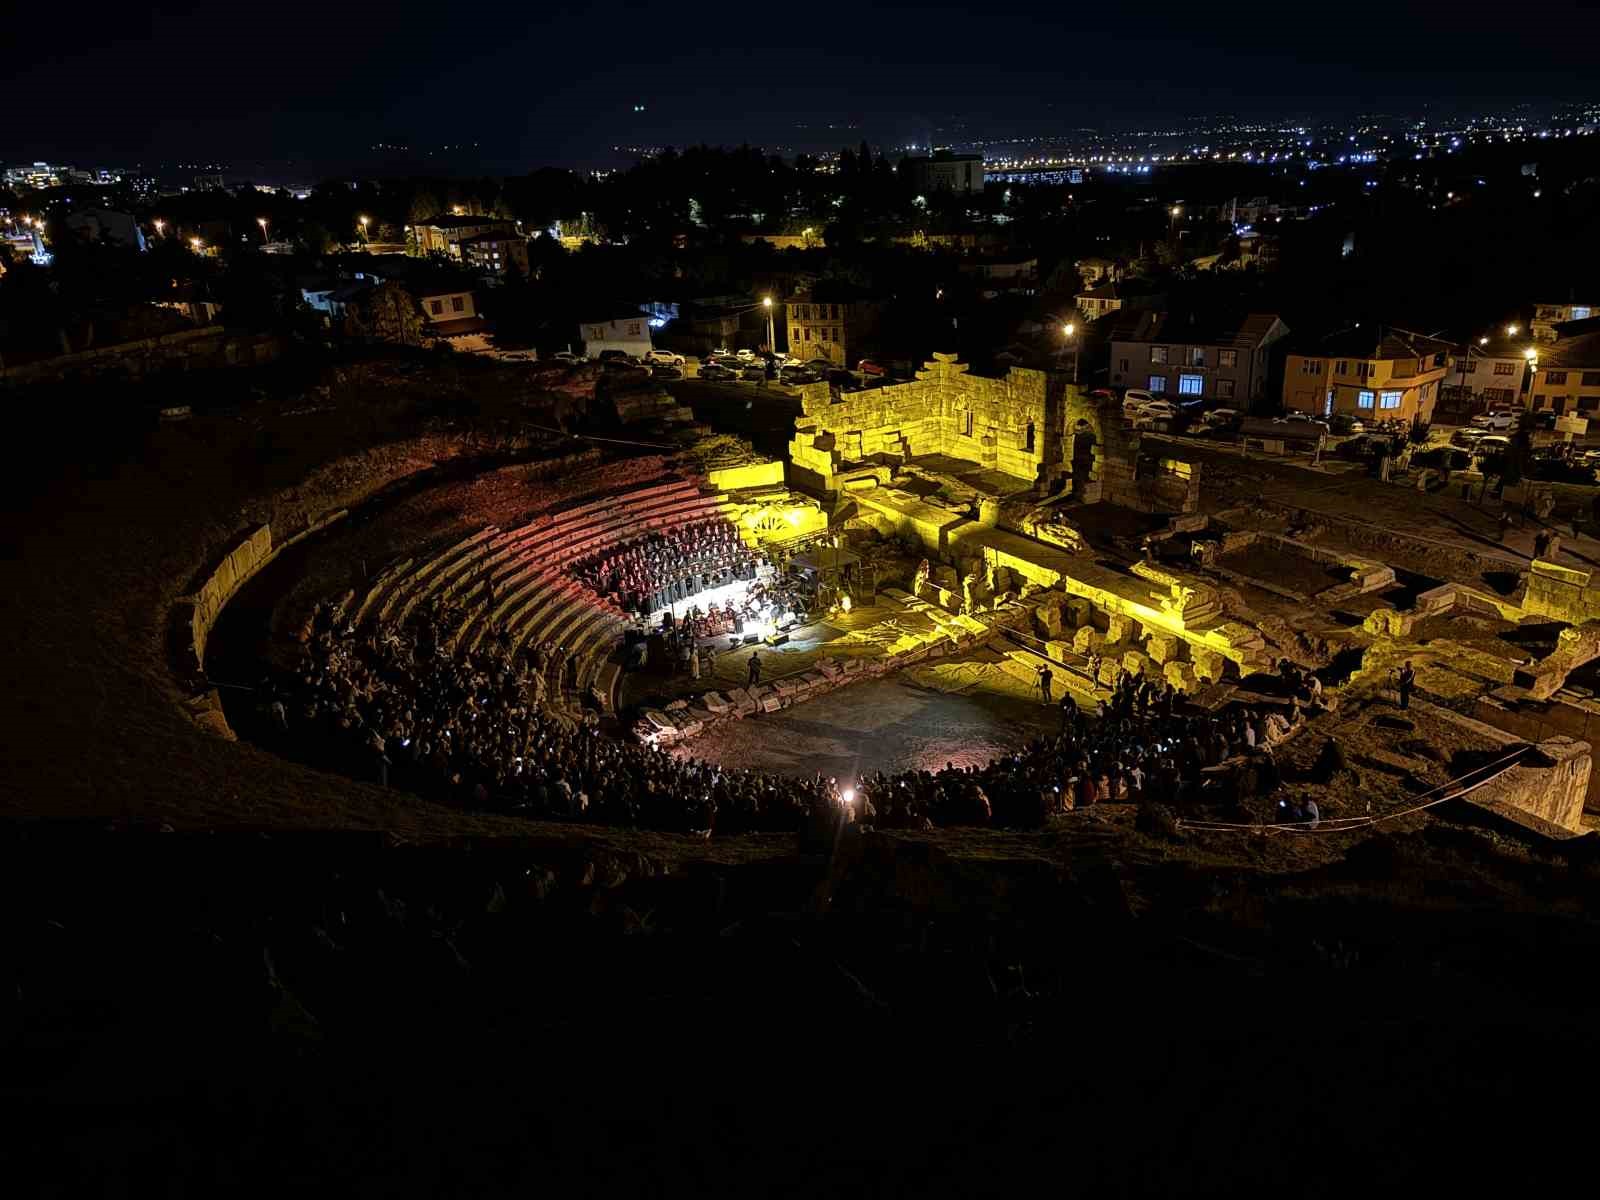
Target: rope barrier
x,y
1346,824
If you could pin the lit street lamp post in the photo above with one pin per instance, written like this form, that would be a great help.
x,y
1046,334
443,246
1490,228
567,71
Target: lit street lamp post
x,y
772,342
365,241
1069,332
262,221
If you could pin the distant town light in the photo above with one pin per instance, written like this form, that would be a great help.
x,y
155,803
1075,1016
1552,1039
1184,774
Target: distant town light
x,y
1511,330
1483,341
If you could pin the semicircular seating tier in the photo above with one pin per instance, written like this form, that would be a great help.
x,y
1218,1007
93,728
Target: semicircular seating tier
x,y
535,599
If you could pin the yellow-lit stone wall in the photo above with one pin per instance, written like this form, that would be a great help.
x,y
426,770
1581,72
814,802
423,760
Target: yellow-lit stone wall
x,y
750,475
999,424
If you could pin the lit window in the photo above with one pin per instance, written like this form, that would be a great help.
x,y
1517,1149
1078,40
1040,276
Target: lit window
x,y
1555,377
1505,368
1158,383
1364,399
1227,358
1390,399
1191,385
1197,356
1158,356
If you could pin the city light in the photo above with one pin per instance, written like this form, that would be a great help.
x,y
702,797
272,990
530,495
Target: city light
x,y
262,221
1511,330
160,225
1069,329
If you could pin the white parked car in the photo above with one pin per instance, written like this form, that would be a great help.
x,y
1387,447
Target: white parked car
x,y
1134,399
1493,444
663,358
1219,418
746,355
565,356
1155,410
1500,418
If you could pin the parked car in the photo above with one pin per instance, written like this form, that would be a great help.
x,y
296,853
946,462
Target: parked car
x,y
1591,458
663,371
1494,443
1134,399
1223,418
1155,412
716,371
797,375
867,367
1301,418
753,371
1498,418
1344,423
565,356
1467,436
663,358
745,355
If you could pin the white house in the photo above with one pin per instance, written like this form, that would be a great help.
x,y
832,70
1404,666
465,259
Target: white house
x,y
629,333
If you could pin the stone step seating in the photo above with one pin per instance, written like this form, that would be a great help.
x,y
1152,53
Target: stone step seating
x,y
528,557
538,601
396,593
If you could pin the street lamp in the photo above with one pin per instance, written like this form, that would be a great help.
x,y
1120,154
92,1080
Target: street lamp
x,y
365,240
262,221
1511,330
1069,331
772,342
160,225
196,244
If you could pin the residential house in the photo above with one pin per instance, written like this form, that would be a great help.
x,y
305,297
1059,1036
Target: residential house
x,y
1190,356
1566,372
628,332
102,224
1372,372
996,275
1095,271
445,234
1487,372
1097,302
333,298
448,311
831,321
493,254
1547,316
943,171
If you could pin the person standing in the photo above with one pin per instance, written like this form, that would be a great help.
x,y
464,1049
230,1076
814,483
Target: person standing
x,y
1406,679
755,669
1045,680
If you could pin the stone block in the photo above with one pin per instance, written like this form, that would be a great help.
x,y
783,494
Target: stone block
x,y
1087,639
1135,664
1058,649
1048,619
1120,628
831,667
770,702
1110,671
1181,676
1163,649
851,666
1078,612
1207,664
716,703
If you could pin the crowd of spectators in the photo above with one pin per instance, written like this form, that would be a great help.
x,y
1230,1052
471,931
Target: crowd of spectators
x,y
660,569
401,707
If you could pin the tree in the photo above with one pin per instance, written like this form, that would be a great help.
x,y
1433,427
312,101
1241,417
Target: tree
x,y
388,313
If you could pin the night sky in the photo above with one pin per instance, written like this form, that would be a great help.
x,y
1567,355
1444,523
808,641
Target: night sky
x,y
557,82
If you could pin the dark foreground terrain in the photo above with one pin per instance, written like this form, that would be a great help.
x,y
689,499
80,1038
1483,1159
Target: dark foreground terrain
x,y
192,1014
